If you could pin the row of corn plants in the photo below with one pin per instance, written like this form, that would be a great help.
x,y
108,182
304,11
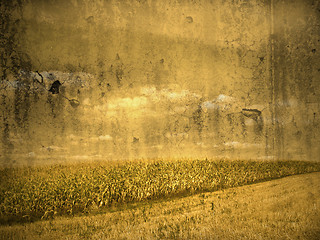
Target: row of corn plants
x,y
31,193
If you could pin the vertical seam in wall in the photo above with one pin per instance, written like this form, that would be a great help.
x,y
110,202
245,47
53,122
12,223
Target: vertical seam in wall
x,y
272,77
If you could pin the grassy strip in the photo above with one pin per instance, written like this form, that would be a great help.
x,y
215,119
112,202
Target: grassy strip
x,y
28,194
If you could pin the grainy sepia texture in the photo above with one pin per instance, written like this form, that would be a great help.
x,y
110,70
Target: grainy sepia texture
x,y
131,79
108,106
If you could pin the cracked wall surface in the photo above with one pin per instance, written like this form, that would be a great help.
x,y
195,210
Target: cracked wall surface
x,y
88,80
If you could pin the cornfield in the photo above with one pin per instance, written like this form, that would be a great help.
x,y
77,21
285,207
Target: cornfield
x,y
32,193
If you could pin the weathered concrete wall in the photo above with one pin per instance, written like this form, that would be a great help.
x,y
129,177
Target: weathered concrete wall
x,y
145,79
296,73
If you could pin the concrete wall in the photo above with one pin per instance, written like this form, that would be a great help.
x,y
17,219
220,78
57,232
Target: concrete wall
x,y
168,79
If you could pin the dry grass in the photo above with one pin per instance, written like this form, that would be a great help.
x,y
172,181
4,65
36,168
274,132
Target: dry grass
x,y
287,208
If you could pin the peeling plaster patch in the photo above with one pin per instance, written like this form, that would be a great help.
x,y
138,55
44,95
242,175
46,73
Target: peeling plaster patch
x,y
201,144
176,135
222,102
179,100
77,139
136,102
241,145
208,105
249,122
86,102
79,78
136,105
168,94
31,154
178,96
51,148
180,109
224,98
105,138
13,84
148,90
174,95
289,103
292,102
232,144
